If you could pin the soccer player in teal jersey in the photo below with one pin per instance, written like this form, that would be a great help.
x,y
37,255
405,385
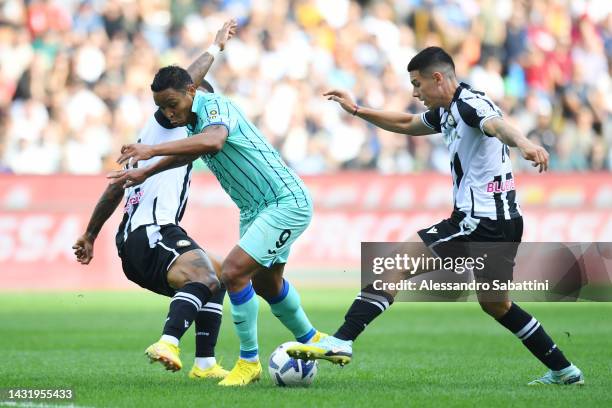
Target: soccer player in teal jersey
x,y
275,206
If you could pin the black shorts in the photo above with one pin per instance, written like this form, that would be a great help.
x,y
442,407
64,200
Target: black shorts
x,y
148,267
461,235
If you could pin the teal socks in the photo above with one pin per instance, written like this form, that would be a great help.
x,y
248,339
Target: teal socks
x,y
288,309
245,307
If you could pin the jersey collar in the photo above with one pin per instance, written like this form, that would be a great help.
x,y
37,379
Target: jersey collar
x,y
194,108
461,87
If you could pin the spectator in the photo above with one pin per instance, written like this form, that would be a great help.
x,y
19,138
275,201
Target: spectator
x,y
543,134
75,75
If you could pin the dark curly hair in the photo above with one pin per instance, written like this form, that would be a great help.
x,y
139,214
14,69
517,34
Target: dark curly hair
x,y
173,77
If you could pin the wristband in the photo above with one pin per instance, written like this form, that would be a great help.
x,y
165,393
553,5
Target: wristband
x,y
214,50
356,109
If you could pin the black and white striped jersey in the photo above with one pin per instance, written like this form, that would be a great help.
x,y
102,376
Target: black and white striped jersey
x,y
162,198
483,183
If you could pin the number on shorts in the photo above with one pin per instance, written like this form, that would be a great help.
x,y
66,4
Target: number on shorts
x,y
282,239
284,236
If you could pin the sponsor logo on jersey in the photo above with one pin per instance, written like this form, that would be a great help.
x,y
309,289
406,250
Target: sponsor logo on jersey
x,y
133,200
500,186
482,111
183,243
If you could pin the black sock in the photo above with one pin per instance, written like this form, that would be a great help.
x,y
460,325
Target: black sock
x,y
366,307
207,325
533,336
183,308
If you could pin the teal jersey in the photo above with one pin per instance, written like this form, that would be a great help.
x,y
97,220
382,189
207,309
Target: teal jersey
x,y
249,169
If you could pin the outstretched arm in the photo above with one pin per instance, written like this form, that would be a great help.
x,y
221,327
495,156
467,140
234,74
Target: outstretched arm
x,y
510,136
210,141
133,177
398,122
198,69
108,202
179,152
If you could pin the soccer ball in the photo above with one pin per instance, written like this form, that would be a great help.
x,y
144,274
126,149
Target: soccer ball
x,y
288,372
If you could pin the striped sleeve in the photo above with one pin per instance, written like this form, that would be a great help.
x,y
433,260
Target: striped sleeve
x,y
431,119
476,111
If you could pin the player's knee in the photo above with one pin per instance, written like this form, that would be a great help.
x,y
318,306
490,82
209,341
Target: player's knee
x,y
179,277
495,309
207,277
211,281
176,278
231,272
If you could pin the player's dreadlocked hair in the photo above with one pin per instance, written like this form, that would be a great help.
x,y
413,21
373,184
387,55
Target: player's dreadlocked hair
x,y
431,57
173,77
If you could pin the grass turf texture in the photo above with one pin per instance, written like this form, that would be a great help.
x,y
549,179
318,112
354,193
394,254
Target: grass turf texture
x,y
417,354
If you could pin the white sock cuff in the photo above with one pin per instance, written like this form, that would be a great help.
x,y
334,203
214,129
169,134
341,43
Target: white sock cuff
x,y
169,339
205,362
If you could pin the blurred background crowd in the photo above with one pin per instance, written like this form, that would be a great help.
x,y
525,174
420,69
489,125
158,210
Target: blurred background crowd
x,y
75,75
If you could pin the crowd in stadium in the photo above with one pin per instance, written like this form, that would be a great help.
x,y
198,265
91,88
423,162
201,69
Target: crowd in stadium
x,y
75,75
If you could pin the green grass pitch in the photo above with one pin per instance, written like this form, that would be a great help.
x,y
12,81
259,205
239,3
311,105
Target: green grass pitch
x,y
417,354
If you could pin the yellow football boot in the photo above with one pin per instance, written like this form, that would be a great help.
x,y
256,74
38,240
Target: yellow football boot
x,y
216,371
327,348
317,337
166,353
243,373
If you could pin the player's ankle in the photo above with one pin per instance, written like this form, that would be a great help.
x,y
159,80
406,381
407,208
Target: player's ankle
x,y
205,362
169,339
251,356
